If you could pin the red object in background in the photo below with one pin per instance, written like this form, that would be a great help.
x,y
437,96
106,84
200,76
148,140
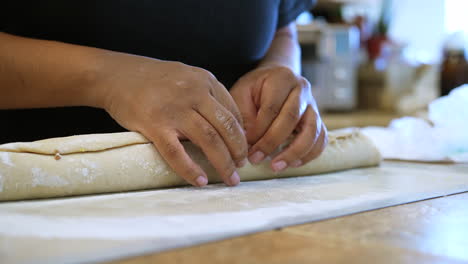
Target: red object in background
x,y
375,46
373,38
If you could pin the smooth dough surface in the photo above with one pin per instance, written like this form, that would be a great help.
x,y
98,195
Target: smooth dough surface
x,y
117,162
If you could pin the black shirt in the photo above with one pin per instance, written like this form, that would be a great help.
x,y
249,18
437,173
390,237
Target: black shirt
x,y
227,38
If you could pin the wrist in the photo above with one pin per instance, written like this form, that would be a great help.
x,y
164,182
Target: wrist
x,y
111,74
96,78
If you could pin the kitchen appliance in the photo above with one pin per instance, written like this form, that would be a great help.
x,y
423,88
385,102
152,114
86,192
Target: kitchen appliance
x,y
330,57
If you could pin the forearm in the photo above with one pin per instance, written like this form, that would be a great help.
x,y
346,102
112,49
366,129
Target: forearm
x,y
284,50
37,73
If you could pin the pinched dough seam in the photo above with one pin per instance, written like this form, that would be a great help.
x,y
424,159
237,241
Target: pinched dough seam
x,y
74,152
331,140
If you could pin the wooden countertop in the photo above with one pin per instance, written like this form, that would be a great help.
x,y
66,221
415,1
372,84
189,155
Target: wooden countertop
x,y
358,119
430,231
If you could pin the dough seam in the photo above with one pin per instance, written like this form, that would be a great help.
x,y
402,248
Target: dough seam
x,y
128,162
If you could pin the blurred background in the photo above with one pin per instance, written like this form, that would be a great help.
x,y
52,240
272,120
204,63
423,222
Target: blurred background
x,y
370,61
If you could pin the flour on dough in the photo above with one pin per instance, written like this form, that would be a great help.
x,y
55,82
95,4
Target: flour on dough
x,y
117,162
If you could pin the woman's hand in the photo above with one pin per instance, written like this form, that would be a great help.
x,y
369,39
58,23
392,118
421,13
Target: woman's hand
x,y
165,101
170,101
275,103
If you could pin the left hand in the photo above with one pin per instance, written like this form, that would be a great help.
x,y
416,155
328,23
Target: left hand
x,y
275,104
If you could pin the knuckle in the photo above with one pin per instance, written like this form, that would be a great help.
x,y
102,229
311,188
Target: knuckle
x,y
273,109
211,135
176,65
288,74
293,115
268,144
230,123
284,71
195,105
206,74
238,117
294,153
311,126
171,151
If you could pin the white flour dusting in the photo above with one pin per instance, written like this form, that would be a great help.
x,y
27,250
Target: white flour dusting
x,y
40,178
89,163
181,213
159,226
101,227
89,171
5,158
223,119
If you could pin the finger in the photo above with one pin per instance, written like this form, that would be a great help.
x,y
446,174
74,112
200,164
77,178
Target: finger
x,y
271,103
221,95
281,128
175,155
204,135
318,148
228,128
305,140
242,96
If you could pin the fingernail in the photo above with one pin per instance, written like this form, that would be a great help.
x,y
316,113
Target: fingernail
x,y
257,157
242,163
235,179
201,181
296,163
279,165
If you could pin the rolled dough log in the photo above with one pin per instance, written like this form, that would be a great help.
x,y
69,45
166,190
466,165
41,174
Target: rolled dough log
x,y
101,163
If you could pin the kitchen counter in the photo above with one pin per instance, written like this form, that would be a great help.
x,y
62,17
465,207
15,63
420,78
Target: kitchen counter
x,y
358,119
430,231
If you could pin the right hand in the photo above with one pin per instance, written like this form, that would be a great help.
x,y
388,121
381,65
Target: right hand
x,y
170,101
